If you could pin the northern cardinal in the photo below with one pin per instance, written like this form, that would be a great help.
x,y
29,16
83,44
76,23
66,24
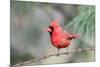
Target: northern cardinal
x,y
58,37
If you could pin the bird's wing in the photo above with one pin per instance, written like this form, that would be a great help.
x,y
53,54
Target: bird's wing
x,y
71,35
66,34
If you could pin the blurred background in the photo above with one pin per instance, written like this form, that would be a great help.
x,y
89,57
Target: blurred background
x,y
29,40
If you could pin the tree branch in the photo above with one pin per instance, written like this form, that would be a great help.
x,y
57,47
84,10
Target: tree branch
x,y
64,53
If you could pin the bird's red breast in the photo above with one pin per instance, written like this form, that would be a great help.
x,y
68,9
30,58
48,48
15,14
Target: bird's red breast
x,y
59,39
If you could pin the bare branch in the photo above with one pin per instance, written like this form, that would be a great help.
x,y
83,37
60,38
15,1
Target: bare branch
x,y
64,53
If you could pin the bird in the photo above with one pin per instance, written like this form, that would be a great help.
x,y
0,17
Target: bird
x,y
58,36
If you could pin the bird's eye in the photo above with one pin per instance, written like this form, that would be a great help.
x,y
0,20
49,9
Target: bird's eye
x,y
51,28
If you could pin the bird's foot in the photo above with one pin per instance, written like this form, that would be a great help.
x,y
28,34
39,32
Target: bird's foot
x,y
67,53
57,54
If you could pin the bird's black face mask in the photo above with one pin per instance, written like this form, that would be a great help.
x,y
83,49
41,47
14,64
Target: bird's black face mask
x,y
51,30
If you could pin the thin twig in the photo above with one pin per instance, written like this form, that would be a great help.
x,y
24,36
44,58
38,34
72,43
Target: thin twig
x,y
65,53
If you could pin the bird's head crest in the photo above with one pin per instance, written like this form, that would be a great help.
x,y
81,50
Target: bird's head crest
x,y
53,25
55,22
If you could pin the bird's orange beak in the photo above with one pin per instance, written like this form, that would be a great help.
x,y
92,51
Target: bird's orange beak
x,y
48,29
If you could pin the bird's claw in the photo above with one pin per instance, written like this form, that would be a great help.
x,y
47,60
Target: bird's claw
x,y
57,54
67,53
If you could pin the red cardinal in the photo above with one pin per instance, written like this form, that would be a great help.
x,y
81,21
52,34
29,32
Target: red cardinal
x,y
59,38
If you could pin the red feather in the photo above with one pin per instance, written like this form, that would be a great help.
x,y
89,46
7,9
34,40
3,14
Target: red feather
x,y
60,38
